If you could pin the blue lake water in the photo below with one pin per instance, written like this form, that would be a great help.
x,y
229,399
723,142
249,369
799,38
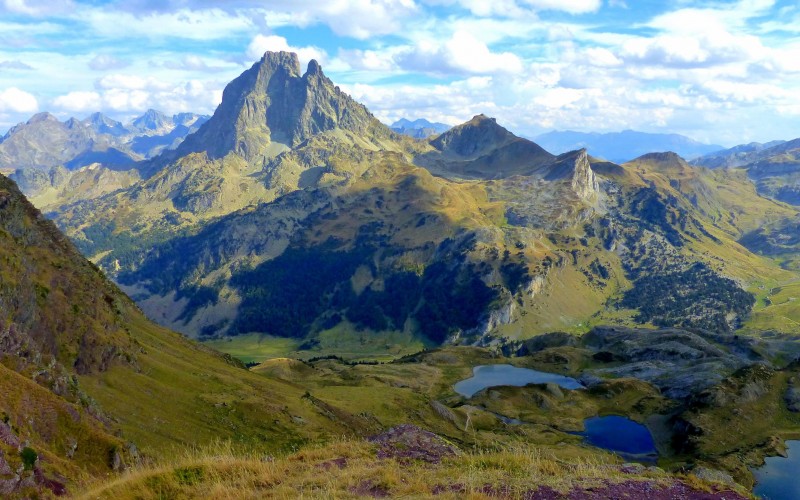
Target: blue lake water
x,y
779,478
494,375
621,435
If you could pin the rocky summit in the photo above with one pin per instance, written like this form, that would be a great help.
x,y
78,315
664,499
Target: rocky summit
x,y
273,107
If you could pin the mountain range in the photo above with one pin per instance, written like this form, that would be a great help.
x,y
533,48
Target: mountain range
x,y
623,146
774,167
44,142
294,224
290,170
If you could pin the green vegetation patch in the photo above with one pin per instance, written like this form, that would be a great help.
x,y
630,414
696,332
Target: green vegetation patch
x,y
309,289
696,297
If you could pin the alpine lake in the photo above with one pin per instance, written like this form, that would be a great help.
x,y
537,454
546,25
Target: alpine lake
x,y
621,435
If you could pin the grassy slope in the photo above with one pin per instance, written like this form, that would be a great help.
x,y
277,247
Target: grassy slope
x,y
185,394
517,458
349,469
52,426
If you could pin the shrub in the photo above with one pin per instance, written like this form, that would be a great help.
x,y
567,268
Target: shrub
x,y
29,457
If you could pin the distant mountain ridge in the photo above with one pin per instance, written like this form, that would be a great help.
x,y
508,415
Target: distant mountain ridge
x,y
419,128
737,156
44,142
620,147
774,167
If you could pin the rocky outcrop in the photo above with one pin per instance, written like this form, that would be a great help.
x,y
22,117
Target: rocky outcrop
x,y
408,443
678,362
54,305
575,168
792,395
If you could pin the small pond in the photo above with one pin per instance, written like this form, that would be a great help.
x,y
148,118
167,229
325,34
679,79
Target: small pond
x,y
631,440
495,375
778,479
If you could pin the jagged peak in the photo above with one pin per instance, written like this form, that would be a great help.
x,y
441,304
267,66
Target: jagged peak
x,y
313,68
482,118
272,103
576,167
151,119
73,123
578,154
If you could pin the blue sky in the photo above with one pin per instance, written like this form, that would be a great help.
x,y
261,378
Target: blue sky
x,y
726,72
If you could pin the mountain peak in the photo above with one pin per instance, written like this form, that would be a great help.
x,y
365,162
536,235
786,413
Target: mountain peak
x,y
665,163
152,120
575,166
481,118
473,138
273,62
313,68
41,117
271,107
665,157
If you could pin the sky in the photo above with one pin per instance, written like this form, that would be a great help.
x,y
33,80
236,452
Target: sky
x,y
724,72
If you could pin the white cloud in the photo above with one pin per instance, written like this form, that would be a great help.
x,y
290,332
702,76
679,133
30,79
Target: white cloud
x,y
130,82
743,92
570,6
516,8
18,101
463,53
15,64
209,24
599,56
363,19
559,97
105,62
78,101
37,7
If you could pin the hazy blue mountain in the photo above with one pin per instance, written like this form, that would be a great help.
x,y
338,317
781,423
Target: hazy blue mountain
x,y
101,124
737,156
419,128
44,142
623,146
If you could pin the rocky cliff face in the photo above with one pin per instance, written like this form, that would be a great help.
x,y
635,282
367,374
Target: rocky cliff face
x,y
576,168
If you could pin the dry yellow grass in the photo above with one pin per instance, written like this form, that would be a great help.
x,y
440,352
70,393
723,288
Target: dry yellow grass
x,y
350,468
